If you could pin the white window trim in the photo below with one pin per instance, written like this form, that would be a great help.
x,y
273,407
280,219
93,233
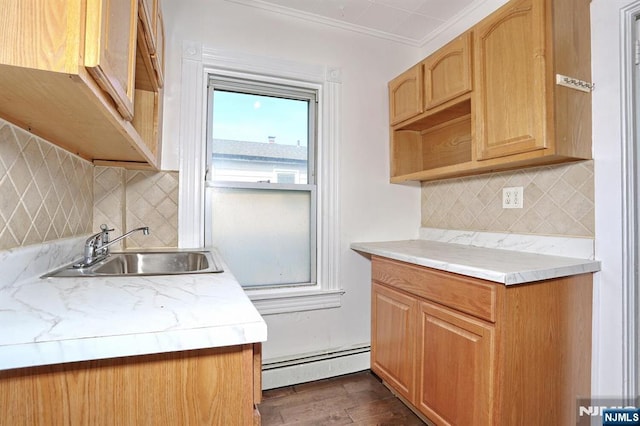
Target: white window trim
x,y
197,63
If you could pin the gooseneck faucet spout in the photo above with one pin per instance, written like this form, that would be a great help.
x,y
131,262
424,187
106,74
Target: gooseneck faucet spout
x,y
144,229
97,246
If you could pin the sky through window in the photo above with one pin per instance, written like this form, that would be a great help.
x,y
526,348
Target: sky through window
x,y
255,118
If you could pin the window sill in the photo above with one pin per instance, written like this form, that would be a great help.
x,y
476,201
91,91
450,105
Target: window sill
x,y
285,300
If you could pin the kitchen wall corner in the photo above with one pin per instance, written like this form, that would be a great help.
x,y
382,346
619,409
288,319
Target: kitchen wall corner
x,y
558,200
127,199
45,192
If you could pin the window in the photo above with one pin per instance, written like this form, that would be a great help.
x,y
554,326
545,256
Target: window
x,y
199,63
261,181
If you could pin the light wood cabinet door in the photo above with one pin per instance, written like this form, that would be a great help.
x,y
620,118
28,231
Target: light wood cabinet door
x,y
405,95
510,114
148,12
150,59
110,49
157,58
393,318
447,73
455,367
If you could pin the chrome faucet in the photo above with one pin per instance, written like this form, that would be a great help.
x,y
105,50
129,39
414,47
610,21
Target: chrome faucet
x,y
96,247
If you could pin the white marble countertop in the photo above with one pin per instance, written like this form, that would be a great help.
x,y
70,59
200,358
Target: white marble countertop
x,y
498,265
57,320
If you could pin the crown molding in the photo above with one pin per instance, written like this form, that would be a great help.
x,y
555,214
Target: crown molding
x,y
259,4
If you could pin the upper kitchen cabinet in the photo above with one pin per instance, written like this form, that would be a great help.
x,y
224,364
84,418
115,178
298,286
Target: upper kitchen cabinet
x,y
68,74
405,95
529,104
447,73
443,76
518,106
110,49
151,49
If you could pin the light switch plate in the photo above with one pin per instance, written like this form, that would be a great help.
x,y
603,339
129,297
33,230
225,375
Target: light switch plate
x,y
512,197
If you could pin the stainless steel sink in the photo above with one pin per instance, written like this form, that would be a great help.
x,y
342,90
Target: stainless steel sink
x,y
145,263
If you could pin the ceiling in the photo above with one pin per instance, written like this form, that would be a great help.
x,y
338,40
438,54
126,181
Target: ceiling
x,y
409,21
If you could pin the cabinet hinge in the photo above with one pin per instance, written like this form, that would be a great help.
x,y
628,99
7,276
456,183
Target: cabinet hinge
x,y
636,52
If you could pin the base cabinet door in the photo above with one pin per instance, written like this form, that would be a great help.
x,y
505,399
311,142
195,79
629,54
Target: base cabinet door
x,y
393,317
455,367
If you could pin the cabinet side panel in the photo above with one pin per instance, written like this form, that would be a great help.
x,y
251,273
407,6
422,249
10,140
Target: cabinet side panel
x,y
572,57
186,388
546,365
405,152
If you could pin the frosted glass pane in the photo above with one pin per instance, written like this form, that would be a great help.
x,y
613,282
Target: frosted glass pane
x,y
263,234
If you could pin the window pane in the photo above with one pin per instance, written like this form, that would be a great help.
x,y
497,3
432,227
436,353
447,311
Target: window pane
x,y
278,253
255,138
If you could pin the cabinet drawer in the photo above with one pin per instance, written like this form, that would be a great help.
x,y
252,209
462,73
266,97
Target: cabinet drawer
x,y
469,295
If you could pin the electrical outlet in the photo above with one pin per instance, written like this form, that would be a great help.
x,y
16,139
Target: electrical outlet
x,y
513,197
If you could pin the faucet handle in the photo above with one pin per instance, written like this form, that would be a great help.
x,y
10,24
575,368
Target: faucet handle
x,y
105,228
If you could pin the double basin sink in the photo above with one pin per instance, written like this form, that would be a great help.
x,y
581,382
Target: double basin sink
x,y
145,263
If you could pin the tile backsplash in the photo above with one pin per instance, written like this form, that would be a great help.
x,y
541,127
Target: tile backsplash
x,y
45,192
558,200
109,200
128,199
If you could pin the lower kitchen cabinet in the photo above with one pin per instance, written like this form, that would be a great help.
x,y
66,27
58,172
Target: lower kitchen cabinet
x,y
393,342
465,351
454,366
217,386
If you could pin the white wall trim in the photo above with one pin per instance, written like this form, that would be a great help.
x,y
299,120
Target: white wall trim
x,y
197,63
629,202
191,179
284,302
234,61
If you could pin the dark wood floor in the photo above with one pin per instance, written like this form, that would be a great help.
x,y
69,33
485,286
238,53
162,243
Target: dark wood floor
x,y
354,399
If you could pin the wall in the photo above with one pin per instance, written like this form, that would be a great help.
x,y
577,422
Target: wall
x,y
467,18
45,192
128,199
558,200
608,127
370,208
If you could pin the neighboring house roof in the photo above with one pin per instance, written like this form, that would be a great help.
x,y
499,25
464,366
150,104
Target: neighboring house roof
x,y
231,149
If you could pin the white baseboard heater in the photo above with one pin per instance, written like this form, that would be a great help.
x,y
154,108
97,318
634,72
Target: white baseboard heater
x,y
315,366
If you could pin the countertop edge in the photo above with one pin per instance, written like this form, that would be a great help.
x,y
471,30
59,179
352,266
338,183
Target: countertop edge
x,y
106,347
526,275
